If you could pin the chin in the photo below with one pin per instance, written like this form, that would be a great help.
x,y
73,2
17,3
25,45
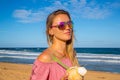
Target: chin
x,y
67,39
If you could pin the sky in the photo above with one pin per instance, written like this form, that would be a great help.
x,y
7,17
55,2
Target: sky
x,y
96,22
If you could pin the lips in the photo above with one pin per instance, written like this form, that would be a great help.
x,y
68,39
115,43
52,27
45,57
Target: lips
x,y
68,32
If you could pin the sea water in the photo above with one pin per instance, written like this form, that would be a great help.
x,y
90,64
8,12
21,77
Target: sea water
x,y
99,59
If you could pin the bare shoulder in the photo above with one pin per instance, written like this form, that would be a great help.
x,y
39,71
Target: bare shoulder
x,y
45,56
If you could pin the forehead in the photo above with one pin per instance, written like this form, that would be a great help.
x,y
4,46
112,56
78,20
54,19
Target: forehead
x,y
60,18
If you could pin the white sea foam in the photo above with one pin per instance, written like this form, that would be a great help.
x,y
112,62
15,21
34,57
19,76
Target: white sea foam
x,y
108,58
19,52
102,56
89,57
21,57
100,60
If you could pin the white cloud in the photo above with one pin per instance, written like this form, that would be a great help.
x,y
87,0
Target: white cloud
x,y
85,9
77,8
94,13
89,10
28,16
23,14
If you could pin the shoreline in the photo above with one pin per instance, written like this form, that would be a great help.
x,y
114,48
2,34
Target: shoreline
x,y
15,71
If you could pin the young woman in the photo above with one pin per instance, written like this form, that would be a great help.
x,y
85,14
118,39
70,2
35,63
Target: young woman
x,y
60,36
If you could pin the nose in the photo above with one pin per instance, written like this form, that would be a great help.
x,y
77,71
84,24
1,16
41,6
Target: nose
x,y
67,26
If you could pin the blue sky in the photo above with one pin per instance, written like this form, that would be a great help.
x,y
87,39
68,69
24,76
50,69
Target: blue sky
x,y
96,22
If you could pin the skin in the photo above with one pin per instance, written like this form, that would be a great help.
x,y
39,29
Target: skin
x,y
58,48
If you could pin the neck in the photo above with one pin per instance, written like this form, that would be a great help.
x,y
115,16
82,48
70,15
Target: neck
x,y
59,48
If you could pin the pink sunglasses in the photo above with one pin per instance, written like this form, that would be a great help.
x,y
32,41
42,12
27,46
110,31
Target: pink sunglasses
x,y
62,25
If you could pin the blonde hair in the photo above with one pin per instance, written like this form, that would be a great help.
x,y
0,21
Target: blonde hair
x,y
70,50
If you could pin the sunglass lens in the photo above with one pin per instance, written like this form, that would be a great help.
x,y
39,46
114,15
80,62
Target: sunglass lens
x,y
61,26
70,24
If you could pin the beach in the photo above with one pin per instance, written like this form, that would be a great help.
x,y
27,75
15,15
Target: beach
x,y
13,71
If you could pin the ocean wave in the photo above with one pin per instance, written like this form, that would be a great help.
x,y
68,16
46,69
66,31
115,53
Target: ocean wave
x,y
79,55
21,57
19,52
102,56
91,60
100,60
109,58
88,60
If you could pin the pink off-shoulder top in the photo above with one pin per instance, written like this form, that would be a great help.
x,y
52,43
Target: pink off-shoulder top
x,y
48,71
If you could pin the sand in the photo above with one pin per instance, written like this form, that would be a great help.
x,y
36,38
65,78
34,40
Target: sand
x,y
12,71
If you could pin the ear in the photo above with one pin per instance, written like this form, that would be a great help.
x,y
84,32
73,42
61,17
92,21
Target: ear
x,y
51,32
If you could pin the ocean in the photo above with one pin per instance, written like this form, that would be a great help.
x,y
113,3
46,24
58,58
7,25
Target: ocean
x,y
98,59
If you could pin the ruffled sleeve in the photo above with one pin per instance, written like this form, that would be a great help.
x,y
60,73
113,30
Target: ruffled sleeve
x,y
40,71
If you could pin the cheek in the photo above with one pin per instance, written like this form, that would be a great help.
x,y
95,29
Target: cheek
x,y
58,33
62,36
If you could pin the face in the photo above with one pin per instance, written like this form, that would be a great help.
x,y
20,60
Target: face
x,y
64,33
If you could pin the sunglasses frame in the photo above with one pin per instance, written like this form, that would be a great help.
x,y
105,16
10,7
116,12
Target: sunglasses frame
x,y
62,25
